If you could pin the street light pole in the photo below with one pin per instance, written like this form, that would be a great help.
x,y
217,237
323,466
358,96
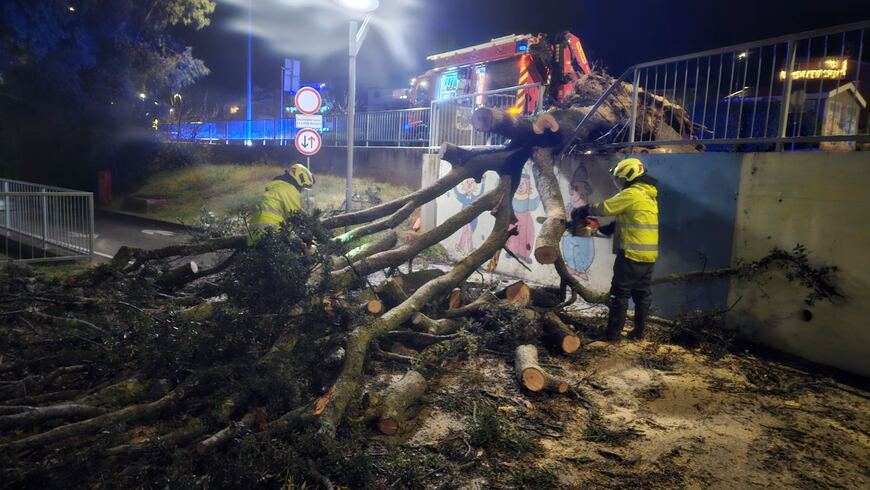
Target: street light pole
x,y
356,38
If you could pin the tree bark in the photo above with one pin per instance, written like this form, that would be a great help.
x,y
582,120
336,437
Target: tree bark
x,y
397,399
444,326
559,335
549,238
531,375
517,294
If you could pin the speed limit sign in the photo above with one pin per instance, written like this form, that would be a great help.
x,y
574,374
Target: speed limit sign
x,y
308,142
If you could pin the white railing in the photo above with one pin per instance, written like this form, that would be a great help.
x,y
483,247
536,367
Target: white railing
x,y
45,223
792,92
451,118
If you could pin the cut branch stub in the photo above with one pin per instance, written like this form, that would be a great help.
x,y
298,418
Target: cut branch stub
x,y
531,375
517,294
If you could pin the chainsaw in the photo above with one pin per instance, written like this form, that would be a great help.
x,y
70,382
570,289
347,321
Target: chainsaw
x,y
581,223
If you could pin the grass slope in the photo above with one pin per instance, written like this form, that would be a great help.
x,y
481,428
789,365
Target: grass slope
x,y
221,188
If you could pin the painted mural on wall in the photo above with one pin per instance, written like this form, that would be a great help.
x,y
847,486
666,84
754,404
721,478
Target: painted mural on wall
x,y
589,259
466,193
578,251
526,201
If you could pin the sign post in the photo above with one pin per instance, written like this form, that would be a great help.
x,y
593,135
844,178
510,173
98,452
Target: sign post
x,y
308,142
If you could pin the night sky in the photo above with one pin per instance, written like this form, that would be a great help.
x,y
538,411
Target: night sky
x,y
615,33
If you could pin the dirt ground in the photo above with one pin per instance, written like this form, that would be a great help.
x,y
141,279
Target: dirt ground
x,y
639,415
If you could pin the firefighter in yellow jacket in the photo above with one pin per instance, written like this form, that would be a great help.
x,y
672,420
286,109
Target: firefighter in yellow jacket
x,y
635,243
283,195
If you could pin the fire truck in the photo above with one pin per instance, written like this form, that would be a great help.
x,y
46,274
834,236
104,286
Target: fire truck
x,y
510,61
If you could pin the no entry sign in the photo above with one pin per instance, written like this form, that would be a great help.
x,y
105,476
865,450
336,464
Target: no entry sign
x,y
308,142
308,100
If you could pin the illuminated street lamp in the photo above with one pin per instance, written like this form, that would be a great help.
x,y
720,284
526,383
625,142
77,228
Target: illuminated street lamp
x,y
356,38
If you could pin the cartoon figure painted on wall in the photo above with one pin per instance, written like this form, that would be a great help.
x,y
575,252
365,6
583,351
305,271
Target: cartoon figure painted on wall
x,y
466,193
579,252
524,203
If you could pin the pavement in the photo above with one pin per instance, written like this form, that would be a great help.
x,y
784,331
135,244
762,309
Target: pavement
x,y
115,229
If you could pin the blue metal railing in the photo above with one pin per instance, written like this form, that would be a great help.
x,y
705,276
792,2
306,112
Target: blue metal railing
x,y
408,127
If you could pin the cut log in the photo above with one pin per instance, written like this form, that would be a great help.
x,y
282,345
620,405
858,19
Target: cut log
x,y
375,307
560,335
179,275
517,294
531,375
423,323
397,399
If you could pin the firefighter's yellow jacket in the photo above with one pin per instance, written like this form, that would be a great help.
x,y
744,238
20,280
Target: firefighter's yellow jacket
x,y
279,200
637,221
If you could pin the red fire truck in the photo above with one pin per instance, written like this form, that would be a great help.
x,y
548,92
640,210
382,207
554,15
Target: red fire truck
x,y
508,61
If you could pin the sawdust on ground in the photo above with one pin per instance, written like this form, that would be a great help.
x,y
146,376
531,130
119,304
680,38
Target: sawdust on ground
x,y
672,418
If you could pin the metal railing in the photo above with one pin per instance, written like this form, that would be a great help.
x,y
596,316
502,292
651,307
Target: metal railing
x,y
801,91
406,127
44,223
451,118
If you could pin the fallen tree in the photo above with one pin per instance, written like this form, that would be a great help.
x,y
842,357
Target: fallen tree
x,y
276,342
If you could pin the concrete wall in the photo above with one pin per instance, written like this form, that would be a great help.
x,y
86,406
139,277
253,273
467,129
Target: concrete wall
x,y
717,209
399,166
818,200
697,199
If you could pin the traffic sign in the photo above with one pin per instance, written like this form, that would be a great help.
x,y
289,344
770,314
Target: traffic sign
x,y
310,121
308,142
308,100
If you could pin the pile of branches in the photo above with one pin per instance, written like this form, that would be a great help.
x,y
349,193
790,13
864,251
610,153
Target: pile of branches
x,y
253,370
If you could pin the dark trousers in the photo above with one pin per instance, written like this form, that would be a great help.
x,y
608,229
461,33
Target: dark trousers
x,y
630,280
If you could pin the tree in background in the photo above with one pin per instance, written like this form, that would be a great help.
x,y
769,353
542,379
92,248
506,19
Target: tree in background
x,y
82,81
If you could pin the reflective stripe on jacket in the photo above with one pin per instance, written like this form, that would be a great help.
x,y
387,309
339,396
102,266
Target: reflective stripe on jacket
x,y
637,221
279,200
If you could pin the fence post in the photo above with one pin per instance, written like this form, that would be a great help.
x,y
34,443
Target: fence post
x,y
368,120
433,125
91,236
44,221
633,121
786,94
6,206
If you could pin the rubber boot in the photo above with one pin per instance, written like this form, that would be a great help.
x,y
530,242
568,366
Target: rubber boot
x,y
616,318
641,312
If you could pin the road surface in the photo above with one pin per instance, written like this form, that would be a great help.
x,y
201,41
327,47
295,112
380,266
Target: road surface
x,y
114,230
